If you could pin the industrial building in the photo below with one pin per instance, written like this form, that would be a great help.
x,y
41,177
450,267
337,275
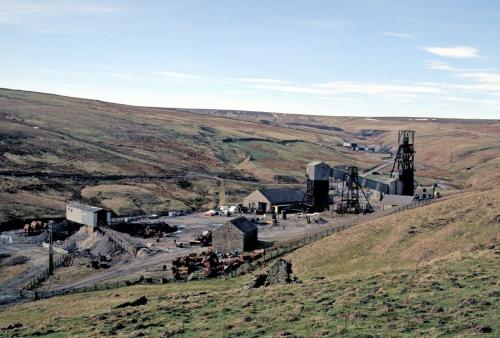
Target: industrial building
x,y
390,201
318,186
87,215
236,235
277,199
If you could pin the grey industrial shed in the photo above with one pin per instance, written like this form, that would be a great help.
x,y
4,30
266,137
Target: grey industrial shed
x,y
87,215
264,200
236,235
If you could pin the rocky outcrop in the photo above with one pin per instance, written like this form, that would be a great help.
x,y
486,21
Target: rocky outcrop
x,y
279,273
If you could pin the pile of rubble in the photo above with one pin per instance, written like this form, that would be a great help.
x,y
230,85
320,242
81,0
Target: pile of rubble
x,y
210,264
279,273
145,229
205,239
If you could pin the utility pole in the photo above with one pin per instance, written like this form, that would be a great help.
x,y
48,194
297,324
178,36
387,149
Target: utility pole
x,y
51,254
222,197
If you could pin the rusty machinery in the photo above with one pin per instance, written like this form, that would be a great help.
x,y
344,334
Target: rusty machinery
x,y
405,162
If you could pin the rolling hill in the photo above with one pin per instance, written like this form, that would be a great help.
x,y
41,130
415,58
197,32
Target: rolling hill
x,y
133,160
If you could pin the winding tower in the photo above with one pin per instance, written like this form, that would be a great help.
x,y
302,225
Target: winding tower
x,y
404,162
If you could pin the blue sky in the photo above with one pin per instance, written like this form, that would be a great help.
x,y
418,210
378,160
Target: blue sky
x,y
364,58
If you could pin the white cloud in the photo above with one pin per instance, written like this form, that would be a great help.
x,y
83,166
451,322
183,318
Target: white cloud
x,y
22,12
457,52
438,65
474,101
178,75
238,91
483,77
481,81
377,88
261,81
398,35
339,88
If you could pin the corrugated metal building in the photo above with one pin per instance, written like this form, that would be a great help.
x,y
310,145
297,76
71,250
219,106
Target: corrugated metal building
x,y
236,235
87,215
265,200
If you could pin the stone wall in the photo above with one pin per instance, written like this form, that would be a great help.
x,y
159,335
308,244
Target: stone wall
x,y
227,238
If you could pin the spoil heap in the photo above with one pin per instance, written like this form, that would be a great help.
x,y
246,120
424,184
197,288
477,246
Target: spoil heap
x,y
210,263
145,229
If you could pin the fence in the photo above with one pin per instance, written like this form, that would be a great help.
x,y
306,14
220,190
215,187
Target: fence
x,y
268,255
131,218
41,277
292,245
112,285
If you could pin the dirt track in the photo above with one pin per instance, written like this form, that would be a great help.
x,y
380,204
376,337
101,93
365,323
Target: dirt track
x,y
38,261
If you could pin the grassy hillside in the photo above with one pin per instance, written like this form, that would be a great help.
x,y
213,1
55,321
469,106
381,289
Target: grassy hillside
x,y
43,134
465,153
47,134
405,240
431,271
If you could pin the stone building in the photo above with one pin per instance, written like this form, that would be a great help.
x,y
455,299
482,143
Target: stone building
x,y
266,200
236,235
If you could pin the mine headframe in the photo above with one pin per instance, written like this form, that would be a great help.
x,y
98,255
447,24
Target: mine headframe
x,y
350,200
405,161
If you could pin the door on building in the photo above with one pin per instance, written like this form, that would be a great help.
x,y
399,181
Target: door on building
x,y
262,207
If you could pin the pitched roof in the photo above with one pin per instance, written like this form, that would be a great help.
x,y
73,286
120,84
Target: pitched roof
x,y
397,199
83,207
243,224
283,195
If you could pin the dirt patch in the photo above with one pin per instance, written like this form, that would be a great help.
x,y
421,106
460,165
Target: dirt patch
x,y
138,302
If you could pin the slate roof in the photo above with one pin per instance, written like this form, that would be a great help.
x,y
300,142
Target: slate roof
x,y
283,195
83,207
397,200
243,224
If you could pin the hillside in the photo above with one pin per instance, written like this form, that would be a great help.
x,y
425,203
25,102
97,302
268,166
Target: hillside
x,y
431,271
125,158
466,153
55,148
467,222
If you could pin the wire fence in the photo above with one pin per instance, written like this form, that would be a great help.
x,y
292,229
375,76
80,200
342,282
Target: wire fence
x,y
36,295
269,255
41,277
289,246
